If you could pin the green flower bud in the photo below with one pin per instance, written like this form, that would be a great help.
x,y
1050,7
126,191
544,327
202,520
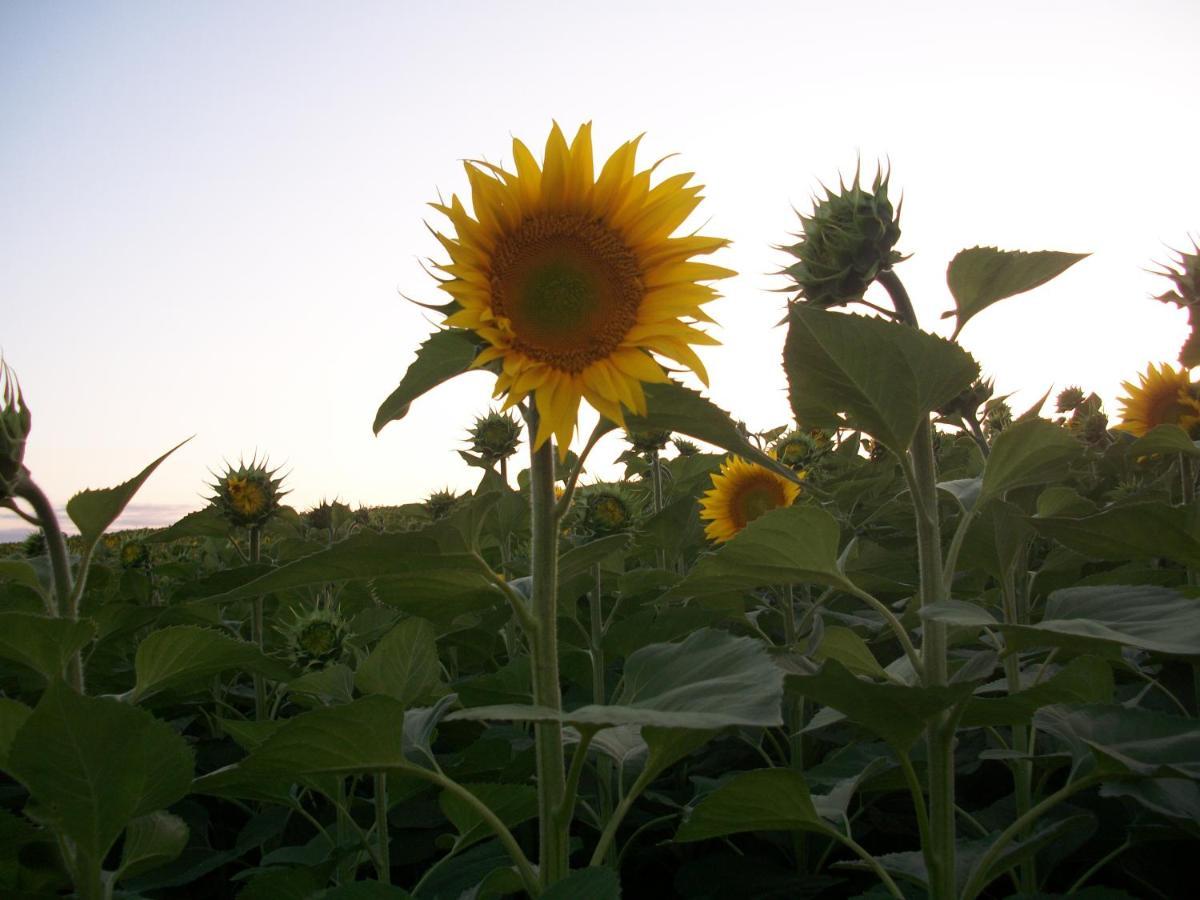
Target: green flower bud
x,y
649,441
685,448
316,638
607,509
15,422
1069,399
440,504
495,436
845,243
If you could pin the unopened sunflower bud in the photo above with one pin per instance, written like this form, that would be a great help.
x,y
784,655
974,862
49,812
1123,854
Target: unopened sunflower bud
x,y
846,242
967,403
607,509
439,504
495,437
1069,399
15,422
649,441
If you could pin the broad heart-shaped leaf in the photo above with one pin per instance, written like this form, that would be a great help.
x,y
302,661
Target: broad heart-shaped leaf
x,y
1165,440
1132,531
363,555
21,572
982,275
1093,619
92,765
513,803
594,883
363,736
181,655
896,713
761,800
443,356
93,511
42,643
404,664
673,407
790,545
1030,452
869,374
579,560
844,645
1085,679
1120,741
151,841
709,681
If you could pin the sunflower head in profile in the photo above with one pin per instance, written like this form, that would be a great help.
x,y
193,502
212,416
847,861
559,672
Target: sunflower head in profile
x,y
741,492
573,279
1163,396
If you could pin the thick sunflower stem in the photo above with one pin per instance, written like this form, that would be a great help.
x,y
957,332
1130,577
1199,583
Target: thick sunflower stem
x,y
794,719
256,629
67,605
599,695
657,481
384,858
921,472
1022,768
553,863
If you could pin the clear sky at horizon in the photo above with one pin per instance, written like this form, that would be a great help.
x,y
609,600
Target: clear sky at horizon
x,y
211,211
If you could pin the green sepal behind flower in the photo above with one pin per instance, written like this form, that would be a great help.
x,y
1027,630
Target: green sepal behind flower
x,y
652,440
846,242
248,496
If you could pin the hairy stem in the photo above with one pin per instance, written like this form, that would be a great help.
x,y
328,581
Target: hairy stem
x,y
256,629
551,778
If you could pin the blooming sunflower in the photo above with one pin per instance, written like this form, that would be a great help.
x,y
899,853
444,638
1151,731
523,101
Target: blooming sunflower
x,y
573,279
741,492
1163,396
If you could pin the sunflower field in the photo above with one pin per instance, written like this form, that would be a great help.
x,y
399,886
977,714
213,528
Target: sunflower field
x,y
913,643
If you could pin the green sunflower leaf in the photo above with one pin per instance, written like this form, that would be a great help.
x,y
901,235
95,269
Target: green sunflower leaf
x,y
761,800
1031,452
982,275
93,511
92,765
869,374
672,407
789,545
1133,531
182,655
43,644
445,355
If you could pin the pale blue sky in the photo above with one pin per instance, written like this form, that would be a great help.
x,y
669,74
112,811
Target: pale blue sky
x,y
210,210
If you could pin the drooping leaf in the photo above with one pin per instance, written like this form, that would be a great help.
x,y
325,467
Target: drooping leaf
x,y
93,511
1086,679
1030,452
982,275
672,407
790,545
1121,741
1093,619
93,765
404,664
869,374
42,643
710,680
761,800
151,841
896,713
180,655
958,613
1133,531
444,355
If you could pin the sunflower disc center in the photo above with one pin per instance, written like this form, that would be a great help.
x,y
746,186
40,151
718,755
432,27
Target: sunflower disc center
x,y
569,287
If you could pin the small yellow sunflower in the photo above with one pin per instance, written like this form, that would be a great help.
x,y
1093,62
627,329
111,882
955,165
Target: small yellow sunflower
x,y
573,279
741,492
246,497
1163,396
